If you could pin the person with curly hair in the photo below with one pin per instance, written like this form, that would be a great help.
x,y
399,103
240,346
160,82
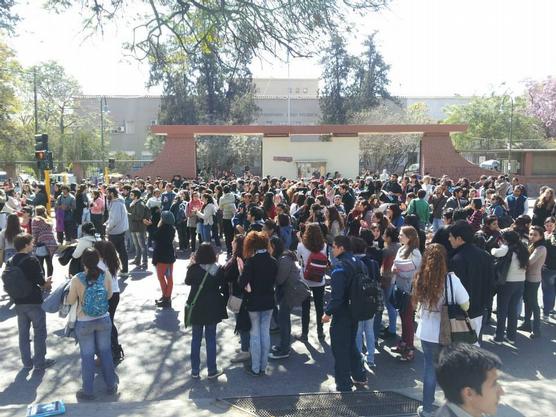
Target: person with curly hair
x,y
312,241
544,207
432,287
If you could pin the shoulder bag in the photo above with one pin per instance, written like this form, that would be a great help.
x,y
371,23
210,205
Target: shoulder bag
x,y
189,307
455,326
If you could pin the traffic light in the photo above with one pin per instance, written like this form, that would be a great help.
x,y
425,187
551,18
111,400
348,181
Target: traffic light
x,y
49,161
111,163
41,143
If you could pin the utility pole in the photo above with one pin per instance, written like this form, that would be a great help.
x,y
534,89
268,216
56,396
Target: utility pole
x,y
289,90
35,99
510,135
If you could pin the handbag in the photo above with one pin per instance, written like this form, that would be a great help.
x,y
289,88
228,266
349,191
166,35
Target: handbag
x,y
41,250
234,303
501,268
189,307
455,326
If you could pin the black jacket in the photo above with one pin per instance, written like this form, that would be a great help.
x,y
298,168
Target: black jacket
x,y
260,273
475,268
340,286
210,307
33,272
163,239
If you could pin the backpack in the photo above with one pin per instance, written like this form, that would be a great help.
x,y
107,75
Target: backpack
x,y
95,298
364,293
315,269
16,283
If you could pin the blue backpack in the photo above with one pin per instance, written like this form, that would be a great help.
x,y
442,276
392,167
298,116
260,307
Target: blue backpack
x,y
95,299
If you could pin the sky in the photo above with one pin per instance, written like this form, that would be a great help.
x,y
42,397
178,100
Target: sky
x,y
434,47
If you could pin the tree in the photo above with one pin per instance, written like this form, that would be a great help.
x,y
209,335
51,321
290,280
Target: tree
x,y
542,104
257,26
337,63
391,152
489,119
370,85
155,143
8,18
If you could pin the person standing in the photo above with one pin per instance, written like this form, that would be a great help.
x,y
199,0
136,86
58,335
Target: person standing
x,y
45,241
97,211
434,286
516,202
208,286
117,225
167,198
7,238
258,279
28,307
348,368
139,215
227,204
420,208
93,325
533,277
66,204
164,257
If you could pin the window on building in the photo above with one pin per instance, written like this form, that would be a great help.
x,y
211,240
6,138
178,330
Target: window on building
x,y
305,91
297,90
129,127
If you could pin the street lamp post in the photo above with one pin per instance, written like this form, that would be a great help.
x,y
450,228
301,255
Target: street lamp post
x,y
103,109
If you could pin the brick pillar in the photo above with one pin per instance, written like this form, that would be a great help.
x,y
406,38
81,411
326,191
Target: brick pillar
x,y
176,158
527,164
439,157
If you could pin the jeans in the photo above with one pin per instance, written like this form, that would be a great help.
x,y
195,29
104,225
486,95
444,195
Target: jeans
x,y
228,234
215,234
210,341
318,299
530,296
165,278
205,232
119,243
392,312
507,300
70,229
259,339
430,354
94,337
49,267
347,360
244,338
27,315
112,306
366,326
436,224
284,321
548,290
138,239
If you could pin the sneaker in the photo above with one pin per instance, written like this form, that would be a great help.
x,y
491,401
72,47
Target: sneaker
x,y
144,266
47,364
83,396
497,341
422,413
216,374
251,372
369,366
407,356
359,383
195,375
241,357
510,341
535,335
302,338
113,390
278,355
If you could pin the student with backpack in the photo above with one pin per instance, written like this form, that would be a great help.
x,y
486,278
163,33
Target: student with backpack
x,y
91,290
24,281
311,252
348,368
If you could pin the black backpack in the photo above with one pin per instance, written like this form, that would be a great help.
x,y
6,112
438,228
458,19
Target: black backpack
x,y
363,292
16,283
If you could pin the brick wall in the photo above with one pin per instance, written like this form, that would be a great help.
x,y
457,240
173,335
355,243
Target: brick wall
x,y
439,157
176,158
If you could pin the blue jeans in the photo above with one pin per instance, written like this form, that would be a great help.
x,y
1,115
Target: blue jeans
x,y
548,290
210,341
205,232
95,337
430,355
28,314
392,312
366,326
138,239
507,301
260,339
436,224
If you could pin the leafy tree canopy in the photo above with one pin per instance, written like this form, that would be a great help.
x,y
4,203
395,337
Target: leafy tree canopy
x,y
542,104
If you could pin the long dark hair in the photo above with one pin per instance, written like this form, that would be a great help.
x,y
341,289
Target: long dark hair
x,y
90,259
108,253
237,253
517,246
13,227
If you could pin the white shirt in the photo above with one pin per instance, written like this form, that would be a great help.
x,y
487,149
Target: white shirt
x,y
303,255
429,324
115,284
515,273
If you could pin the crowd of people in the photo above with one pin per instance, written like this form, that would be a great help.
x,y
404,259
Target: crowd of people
x,y
422,244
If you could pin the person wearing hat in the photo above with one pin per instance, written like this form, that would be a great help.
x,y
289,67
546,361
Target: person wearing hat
x,y
164,257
